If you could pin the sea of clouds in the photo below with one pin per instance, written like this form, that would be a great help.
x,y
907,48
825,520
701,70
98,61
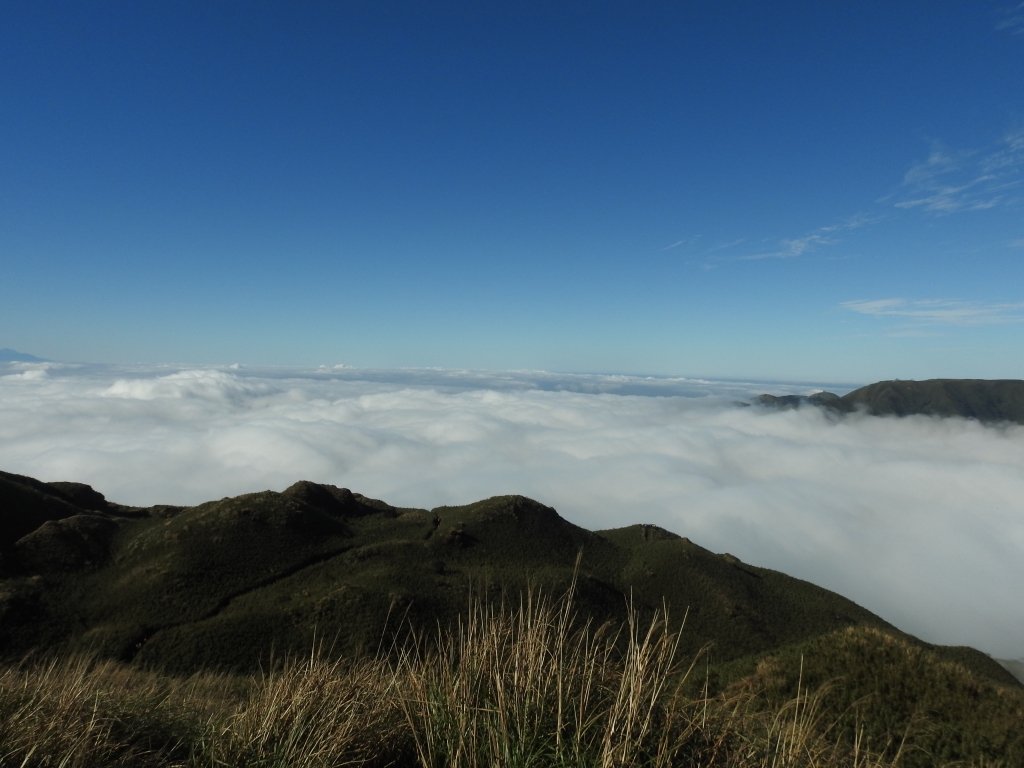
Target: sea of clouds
x,y
920,520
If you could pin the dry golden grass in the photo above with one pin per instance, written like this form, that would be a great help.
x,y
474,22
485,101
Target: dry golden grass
x,y
82,712
533,687
530,685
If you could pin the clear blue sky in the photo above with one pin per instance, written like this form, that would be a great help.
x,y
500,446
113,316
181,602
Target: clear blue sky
x,y
769,189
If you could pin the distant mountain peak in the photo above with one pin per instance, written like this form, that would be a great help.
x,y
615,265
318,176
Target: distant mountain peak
x,y
990,401
13,356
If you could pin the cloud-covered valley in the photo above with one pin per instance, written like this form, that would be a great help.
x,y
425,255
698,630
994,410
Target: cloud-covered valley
x,y
920,520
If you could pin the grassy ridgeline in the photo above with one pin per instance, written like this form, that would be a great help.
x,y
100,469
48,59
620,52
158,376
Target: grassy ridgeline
x,y
990,401
179,609
224,585
533,685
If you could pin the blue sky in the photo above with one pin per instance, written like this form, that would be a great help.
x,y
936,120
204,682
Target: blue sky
x,y
827,191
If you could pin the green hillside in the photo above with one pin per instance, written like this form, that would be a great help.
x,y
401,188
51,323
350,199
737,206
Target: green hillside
x,y
933,701
227,583
985,400
238,584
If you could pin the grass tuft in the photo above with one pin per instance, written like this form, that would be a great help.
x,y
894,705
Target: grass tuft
x,y
521,686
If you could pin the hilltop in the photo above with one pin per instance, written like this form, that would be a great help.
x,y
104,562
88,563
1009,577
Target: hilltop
x,y
233,584
995,400
223,583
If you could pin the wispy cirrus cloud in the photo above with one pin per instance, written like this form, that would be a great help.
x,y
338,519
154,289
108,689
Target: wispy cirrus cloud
x,y
966,180
726,246
692,241
789,248
1012,20
940,311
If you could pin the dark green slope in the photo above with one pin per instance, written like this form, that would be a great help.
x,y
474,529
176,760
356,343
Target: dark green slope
x,y
885,687
26,503
984,400
235,583
1000,400
227,583
739,608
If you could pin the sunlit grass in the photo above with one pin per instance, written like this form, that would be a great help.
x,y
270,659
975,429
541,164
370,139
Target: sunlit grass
x,y
511,686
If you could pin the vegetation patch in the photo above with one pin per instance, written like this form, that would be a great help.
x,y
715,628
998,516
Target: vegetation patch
x,y
534,684
316,627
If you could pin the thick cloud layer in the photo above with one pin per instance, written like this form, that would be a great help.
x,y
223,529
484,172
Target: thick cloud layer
x,y
920,520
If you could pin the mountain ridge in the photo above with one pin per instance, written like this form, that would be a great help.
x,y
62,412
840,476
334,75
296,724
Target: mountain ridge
x,y
985,400
81,571
237,584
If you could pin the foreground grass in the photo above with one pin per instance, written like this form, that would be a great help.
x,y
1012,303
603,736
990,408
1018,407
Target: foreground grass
x,y
512,687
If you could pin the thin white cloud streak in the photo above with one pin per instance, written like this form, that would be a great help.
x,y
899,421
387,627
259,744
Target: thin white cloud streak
x,y
791,248
970,180
937,312
726,246
920,520
713,249
1013,20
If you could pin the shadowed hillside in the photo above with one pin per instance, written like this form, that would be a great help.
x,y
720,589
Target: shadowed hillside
x,y
981,399
226,583
238,584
